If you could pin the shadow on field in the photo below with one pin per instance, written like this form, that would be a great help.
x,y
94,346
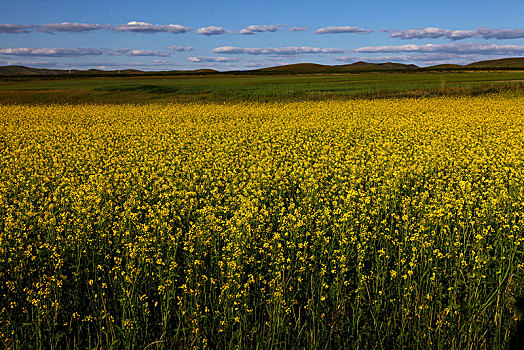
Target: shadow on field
x,y
517,342
159,93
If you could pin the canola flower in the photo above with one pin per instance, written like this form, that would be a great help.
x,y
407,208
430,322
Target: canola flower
x,y
352,224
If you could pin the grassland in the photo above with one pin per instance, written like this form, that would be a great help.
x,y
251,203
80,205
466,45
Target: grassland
x,y
365,211
249,88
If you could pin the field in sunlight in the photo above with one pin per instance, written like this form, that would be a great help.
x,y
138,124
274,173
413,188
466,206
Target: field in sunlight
x,y
321,224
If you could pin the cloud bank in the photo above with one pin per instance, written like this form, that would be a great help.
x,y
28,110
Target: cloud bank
x,y
458,48
435,33
281,51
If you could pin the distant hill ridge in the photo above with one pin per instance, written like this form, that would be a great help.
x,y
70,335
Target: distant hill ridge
x,y
297,68
311,68
22,70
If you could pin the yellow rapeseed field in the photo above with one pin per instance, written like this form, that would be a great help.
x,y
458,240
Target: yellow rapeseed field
x,y
395,223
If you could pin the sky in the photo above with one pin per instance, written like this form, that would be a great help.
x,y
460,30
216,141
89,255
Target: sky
x,y
241,35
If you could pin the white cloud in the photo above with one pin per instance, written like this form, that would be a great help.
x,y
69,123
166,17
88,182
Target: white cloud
x,y
458,48
434,33
148,28
337,30
281,51
211,30
253,29
69,27
428,33
53,52
181,49
131,53
15,28
211,59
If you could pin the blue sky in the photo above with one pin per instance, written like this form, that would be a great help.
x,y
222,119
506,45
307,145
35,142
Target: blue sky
x,y
229,35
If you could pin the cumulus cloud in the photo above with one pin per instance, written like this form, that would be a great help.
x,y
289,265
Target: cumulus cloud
x,y
211,59
253,29
69,27
298,29
281,51
148,28
462,48
131,53
434,33
15,28
338,30
52,52
211,30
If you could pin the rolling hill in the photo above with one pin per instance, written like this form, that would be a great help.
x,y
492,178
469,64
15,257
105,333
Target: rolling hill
x,y
313,68
512,63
